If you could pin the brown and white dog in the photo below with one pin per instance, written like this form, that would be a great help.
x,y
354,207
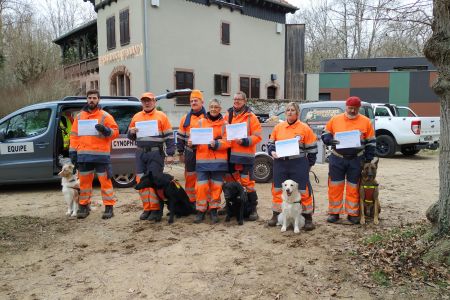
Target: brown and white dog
x,y
70,188
368,192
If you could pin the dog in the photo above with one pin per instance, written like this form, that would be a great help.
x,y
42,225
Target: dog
x,y
70,188
369,203
291,208
169,191
236,202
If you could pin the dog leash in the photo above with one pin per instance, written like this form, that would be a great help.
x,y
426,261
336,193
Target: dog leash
x,y
316,179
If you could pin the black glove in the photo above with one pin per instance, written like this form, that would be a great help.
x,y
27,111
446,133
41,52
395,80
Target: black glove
x,y
103,130
334,142
245,142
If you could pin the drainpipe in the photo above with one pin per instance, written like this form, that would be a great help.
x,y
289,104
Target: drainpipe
x,y
146,52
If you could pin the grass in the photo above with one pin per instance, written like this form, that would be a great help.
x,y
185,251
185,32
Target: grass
x,y
373,239
381,278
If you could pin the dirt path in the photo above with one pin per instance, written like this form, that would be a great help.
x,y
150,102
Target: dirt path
x,y
45,255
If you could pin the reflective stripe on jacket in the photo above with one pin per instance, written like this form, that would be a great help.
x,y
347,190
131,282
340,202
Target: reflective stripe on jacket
x,y
93,148
213,159
241,154
165,132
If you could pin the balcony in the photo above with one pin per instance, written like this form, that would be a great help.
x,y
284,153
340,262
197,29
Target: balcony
x,y
81,68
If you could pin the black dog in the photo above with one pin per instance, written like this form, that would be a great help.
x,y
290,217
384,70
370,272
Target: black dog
x,y
236,202
169,191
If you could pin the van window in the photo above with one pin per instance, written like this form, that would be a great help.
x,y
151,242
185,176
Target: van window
x,y
26,125
123,115
367,111
381,112
319,115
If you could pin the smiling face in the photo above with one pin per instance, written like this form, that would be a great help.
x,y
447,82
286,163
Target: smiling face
x,y
289,187
239,101
93,100
148,104
196,104
214,108
291,114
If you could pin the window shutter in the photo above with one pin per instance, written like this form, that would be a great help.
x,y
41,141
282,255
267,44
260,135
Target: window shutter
x,y
255,88
217,84
225,33
124,27
110,33
245,85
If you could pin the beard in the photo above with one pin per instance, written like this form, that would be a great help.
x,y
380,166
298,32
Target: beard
x,y
351,117
92,105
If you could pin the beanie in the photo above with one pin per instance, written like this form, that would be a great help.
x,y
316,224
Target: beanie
x,y
353,101
196,94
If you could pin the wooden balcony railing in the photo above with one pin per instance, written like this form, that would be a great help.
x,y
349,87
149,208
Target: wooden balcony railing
x,y
81,68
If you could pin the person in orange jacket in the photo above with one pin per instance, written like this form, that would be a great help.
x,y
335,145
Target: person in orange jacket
x,y
295,167
211,164
91,154
242,151
345,163
150,155
186,153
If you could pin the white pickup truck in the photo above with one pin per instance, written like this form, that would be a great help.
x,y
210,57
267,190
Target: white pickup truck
x,y
398,128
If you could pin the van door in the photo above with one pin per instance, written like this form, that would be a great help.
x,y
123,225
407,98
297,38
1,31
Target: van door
x,y
26,153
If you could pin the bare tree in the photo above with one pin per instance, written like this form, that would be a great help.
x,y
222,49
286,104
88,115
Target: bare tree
x,y
437,50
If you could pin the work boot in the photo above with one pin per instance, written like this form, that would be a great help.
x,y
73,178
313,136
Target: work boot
x,y
145,214
214,217
333,218
308,222
155,215
253,202
353,219
273,222
108,214
199,217
83,211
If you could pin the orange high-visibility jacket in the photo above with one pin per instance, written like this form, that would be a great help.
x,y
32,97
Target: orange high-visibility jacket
x,y
94,148
284,131
341,123
213,158
165,132
184,132
245,153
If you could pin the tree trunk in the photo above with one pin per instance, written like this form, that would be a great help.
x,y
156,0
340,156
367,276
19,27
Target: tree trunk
x,y
437,50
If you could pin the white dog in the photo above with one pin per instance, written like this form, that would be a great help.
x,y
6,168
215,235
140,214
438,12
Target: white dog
x,y
70,188
292,209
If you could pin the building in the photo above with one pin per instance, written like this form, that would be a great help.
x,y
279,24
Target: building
x,y
80,56
218,46
401,81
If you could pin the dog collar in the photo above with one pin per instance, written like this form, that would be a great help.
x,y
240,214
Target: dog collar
x,y
368,201
369,186
73,180
295,202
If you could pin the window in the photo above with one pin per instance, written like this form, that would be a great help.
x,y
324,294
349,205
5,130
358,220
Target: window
x,y
271,92
221,84
26,125
382,112
411,68
120,85
250,86
319,115
122,115
124,27
111,33
184,80
360,69
225,33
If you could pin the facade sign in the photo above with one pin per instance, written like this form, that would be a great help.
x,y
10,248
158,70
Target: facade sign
x,y
121,55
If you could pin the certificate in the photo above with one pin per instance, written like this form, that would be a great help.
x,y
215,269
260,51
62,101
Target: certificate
x,y
236,131
348,139
201,136
87,127
287,147
147,128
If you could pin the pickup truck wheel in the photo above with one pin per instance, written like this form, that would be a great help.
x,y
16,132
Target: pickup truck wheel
x,y
409,151
385,146
263,169
124,180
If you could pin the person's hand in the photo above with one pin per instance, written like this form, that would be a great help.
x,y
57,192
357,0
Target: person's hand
x,y
274,154
334,142
169,160
102,129
238,141
189,143
212,143
133,130
181,158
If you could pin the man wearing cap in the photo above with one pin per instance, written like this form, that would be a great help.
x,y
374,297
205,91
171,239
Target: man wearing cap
x,y
150,154
186,153
345,163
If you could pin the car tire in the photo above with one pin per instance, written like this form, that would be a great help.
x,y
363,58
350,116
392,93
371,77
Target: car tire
x,y
385,146
124,180
409,151
263,169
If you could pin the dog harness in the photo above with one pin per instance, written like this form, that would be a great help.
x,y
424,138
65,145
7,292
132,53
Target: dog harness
x,y
369,191
160,192
72,187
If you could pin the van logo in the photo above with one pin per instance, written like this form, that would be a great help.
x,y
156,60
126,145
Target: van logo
x,y
15,148
123,143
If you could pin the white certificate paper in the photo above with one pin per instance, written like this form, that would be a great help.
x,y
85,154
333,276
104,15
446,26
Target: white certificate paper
x,y
201,136
87,127
287,147
147,128
236,131
348,139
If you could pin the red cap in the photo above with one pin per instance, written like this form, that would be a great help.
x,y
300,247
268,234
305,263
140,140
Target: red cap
x,y
353,101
